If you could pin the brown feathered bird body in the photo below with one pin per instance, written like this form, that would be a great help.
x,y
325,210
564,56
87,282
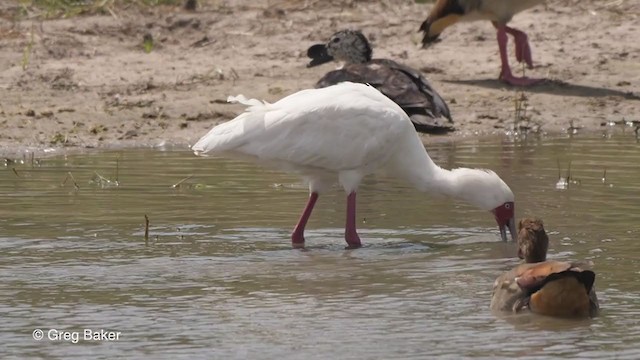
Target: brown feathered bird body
x,y
546,287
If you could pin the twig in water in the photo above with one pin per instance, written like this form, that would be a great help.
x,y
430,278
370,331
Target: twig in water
x,y
70,176
117,168
146,230
75,184
181,181
101,178
16,172
564,182
604,176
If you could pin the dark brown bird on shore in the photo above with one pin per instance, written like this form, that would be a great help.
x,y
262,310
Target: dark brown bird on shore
x,y
545,287
447,12
405,86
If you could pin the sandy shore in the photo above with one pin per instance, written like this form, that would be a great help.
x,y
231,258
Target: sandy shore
x,y
86,82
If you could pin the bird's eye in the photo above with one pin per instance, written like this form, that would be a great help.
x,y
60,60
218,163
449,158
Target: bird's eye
x,y
335,40
507,206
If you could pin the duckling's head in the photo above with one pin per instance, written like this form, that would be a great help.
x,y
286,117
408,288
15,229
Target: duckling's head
x,y
348,46
533,241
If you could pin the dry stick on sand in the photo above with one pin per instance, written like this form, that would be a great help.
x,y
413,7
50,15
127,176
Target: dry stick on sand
x,y
146,230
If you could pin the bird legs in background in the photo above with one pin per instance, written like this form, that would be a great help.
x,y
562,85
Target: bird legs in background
x,y
350,234
523,53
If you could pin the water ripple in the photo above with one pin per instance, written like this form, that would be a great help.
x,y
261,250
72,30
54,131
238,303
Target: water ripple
x,y
219,280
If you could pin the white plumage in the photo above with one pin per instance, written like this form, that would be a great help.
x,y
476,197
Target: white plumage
x,y
345,132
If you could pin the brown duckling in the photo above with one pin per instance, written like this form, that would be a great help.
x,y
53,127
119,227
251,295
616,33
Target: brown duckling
x,y
545,287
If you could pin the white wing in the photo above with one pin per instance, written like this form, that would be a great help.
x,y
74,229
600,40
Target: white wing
x,y
341,127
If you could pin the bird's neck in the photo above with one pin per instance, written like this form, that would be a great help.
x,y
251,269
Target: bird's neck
x,y
437,180
536,256
424,174
356,58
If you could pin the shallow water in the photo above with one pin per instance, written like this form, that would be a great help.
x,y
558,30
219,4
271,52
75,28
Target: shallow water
x,y
219,280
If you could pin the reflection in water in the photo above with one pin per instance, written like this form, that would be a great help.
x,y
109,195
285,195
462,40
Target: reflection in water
x,y
221,281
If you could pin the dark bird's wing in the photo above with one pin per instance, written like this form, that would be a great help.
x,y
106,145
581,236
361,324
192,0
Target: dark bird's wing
x,y
351,74
426,96
405,86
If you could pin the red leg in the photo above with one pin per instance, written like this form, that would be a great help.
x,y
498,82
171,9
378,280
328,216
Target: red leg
x,y
505,73
523,50
350,234
297,237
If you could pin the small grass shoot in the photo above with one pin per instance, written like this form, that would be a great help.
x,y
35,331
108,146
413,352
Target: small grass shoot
x,y
26,54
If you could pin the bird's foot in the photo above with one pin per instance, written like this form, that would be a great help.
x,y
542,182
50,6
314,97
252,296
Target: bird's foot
x,y
353,241
297,240
297,245
519,81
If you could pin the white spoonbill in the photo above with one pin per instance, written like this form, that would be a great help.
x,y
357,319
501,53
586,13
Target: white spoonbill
x,y
345,132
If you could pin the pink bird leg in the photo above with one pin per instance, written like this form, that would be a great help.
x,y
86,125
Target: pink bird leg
x,y
350,234
523,50
505,73
297,237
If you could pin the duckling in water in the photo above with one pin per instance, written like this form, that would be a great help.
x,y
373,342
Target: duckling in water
x,y
545,287
405,86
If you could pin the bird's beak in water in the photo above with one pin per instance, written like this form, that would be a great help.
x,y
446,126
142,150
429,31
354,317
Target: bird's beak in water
x,y
319,55
511,225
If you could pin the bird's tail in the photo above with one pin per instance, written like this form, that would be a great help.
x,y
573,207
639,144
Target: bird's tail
x,y
244,101
234,133
443,14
